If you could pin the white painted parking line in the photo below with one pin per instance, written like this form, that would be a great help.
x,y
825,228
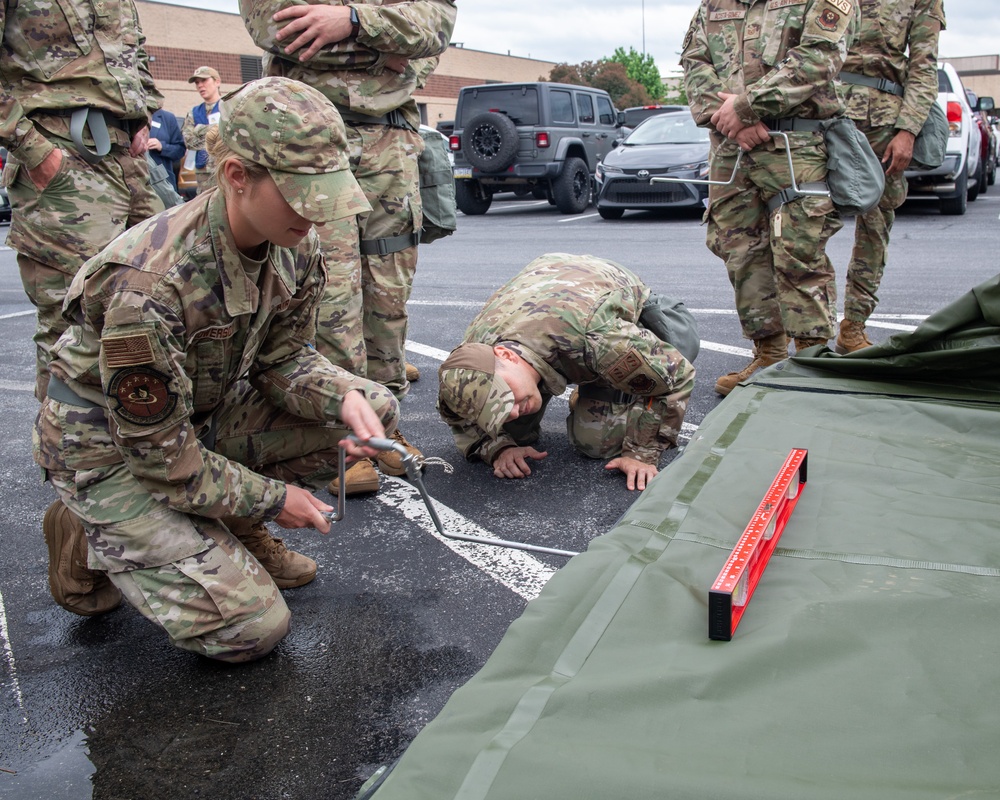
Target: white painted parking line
x,y
519,571
17,314
8,654
578,217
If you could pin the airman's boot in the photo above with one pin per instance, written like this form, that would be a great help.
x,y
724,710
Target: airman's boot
x,y
412,373
391,462
767,351
361,478
76,588
287,568
802,342
851,337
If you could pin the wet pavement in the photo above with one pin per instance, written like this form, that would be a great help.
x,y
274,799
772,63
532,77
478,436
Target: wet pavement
x,y
397,618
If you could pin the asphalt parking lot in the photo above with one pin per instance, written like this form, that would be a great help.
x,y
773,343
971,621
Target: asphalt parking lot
x,y
398,617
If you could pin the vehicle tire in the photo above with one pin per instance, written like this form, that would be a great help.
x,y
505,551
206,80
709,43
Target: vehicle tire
x,y
610,213
973,192
571,190
956,206
983,177
991,176
490,141
472,198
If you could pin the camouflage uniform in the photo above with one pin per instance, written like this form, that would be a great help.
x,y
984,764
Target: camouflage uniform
x,y
575,319
184,397
898,42
781,58
362,320
58,56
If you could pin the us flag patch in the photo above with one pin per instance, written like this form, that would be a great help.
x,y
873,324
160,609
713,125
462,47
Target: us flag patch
x,y
128,351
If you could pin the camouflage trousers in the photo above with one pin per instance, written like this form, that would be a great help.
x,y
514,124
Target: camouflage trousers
x,y
783,280
187,573
871,236
56,229
598,423
362,321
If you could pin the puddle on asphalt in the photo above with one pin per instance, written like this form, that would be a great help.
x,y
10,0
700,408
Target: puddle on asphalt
x,y
64,775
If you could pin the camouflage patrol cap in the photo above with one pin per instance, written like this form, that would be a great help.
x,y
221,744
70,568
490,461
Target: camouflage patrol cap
x,y
298,135
469,388
204,72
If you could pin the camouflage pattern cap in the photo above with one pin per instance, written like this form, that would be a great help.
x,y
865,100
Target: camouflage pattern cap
x,y
204,72
470,389
298,135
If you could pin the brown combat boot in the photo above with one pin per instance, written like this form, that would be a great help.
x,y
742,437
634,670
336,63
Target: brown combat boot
x,y
74,586
391,462
802,342
767,351
412,373
287,568
361,478
851,337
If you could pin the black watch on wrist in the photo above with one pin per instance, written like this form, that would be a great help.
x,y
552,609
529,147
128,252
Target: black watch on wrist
x,y
355,22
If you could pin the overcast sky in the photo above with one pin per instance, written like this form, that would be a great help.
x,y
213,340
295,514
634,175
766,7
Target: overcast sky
x,y
586,30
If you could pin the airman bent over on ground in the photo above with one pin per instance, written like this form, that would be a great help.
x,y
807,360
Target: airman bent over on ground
x,y
572,319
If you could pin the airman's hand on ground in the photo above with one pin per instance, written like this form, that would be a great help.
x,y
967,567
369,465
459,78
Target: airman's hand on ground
x,y
364,423
725,119
899,153
46,171
513,462
313,27
302,510
637,473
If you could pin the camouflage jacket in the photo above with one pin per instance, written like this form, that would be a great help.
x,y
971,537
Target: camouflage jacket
x,y
165,320
779,57
898,41
61,54
352,73
575,320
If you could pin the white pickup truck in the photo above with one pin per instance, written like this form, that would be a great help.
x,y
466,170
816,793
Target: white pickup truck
x,y
957,180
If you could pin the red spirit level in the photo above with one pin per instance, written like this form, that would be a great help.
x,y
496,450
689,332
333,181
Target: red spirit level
x,y
732,590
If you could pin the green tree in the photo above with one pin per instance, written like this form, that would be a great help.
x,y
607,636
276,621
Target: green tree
x,y
642,69
608,75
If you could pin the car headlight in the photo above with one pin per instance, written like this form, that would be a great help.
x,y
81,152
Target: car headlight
x,y
603,170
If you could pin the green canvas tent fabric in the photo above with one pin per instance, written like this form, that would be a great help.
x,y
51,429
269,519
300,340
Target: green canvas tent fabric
x,y
867,664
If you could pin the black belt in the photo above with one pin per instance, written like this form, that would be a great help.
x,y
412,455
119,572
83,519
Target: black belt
x,y
794,124
95,120
394,119
589,391
881,84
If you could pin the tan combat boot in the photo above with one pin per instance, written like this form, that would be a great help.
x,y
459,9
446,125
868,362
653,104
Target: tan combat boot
x,y
802,342
391,462
287,568
76,588
412,373
361,478
767,351
851,337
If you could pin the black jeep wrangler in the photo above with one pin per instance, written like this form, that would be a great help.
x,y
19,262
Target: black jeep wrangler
x,y
534,138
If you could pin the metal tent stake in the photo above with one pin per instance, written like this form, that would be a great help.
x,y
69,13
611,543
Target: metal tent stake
x,y
413,473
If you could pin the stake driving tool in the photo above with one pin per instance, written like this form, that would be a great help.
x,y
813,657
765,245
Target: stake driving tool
x,y
413,473
733,588
739,156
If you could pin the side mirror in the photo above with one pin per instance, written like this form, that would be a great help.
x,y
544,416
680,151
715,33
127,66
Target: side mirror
x,y
620,118
985,104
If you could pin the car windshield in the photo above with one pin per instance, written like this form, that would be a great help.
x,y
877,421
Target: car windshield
x,y
668,129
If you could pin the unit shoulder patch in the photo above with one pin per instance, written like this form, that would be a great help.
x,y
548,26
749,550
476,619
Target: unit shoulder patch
x,y
141,395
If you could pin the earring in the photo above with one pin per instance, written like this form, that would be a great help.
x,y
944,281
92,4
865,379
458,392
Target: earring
x,y
239,191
